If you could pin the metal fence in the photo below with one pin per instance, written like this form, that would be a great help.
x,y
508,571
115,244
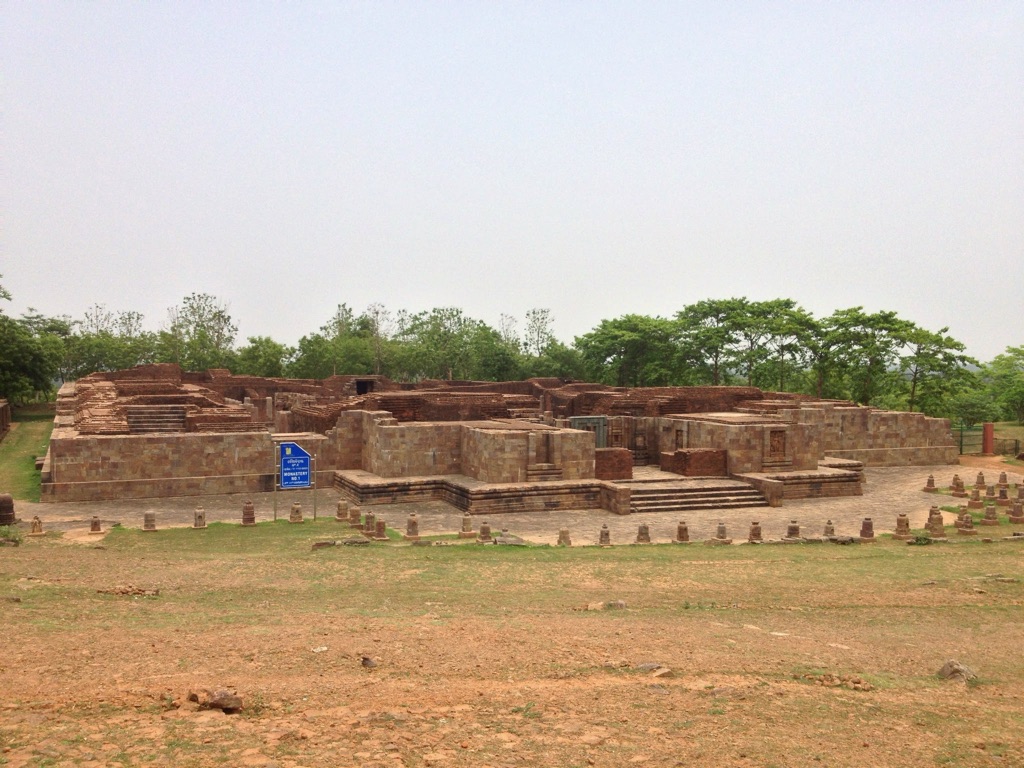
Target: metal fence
x,y
970,442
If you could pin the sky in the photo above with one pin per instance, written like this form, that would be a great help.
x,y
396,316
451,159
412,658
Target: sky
x,y
592,158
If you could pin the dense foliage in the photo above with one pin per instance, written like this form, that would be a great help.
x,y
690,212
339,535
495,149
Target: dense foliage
x,y
875,358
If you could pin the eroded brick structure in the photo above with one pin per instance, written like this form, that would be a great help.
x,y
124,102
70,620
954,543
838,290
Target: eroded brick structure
x,y
5,418
484,447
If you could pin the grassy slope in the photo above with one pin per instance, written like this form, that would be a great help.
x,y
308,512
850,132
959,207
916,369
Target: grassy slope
x,y
27,439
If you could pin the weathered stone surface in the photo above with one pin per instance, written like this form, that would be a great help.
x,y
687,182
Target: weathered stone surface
x,y
7,509
954,669
221,698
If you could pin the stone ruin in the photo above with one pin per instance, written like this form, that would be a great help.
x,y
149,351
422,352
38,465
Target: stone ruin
x,y
7,516
6,418
484,447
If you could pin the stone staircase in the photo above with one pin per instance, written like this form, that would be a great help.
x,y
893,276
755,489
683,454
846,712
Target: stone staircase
x,y
543,473
155,418
659,497
467,494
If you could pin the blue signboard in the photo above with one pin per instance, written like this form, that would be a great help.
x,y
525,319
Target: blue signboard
x,y
294,466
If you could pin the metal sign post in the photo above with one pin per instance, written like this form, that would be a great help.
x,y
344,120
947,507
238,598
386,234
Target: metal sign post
x,y
294,466
293,471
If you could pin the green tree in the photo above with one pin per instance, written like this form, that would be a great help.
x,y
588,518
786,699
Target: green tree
x,y
262,356
537,335
868,351
559,361
378,326
496,356
934,369
199,335
343,346
973,407
31,351
631,351
788,331
436,344
707,334
107,341
1004,379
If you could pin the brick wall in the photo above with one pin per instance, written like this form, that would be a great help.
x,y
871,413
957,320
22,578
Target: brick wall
x,y
878,438
495,455
397,450
696,462
748,445
574,453
141,466
613,464
5,418
377,443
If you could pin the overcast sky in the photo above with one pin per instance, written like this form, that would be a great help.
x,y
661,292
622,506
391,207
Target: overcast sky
x,y
593,158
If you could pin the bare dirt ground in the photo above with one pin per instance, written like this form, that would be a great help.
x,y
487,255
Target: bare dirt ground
x,y
789,655
796,655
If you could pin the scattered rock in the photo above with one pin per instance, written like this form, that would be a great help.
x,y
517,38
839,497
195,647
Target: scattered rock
x,y
954,668
324,544
222,699
663,672
129,590
356,541
829,680
648,666
319,649
367,662
12,599
608,605
510,540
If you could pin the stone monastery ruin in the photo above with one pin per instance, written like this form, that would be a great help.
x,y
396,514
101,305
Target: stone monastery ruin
x,y
483,447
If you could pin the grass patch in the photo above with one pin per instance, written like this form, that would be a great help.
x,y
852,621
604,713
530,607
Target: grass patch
x,y
499,637
1009,430
8,533
28,438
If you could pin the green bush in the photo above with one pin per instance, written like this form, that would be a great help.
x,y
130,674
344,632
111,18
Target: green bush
x,y
8,533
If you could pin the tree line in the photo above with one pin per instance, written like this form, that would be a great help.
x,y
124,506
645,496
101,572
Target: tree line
x,y
875,358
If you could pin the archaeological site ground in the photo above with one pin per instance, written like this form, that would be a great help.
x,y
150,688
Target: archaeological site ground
x,y
866,554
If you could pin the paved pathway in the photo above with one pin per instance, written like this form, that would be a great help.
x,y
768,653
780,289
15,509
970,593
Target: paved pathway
x,y
887,492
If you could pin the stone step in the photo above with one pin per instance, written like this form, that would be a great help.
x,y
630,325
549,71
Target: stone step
x,y
695,504
539,473
691,494
155,418
682,499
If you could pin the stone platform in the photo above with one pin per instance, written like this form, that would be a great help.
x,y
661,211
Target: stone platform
x,y
651,490
470,495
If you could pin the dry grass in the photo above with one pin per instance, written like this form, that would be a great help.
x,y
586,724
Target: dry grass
x,y
486,657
